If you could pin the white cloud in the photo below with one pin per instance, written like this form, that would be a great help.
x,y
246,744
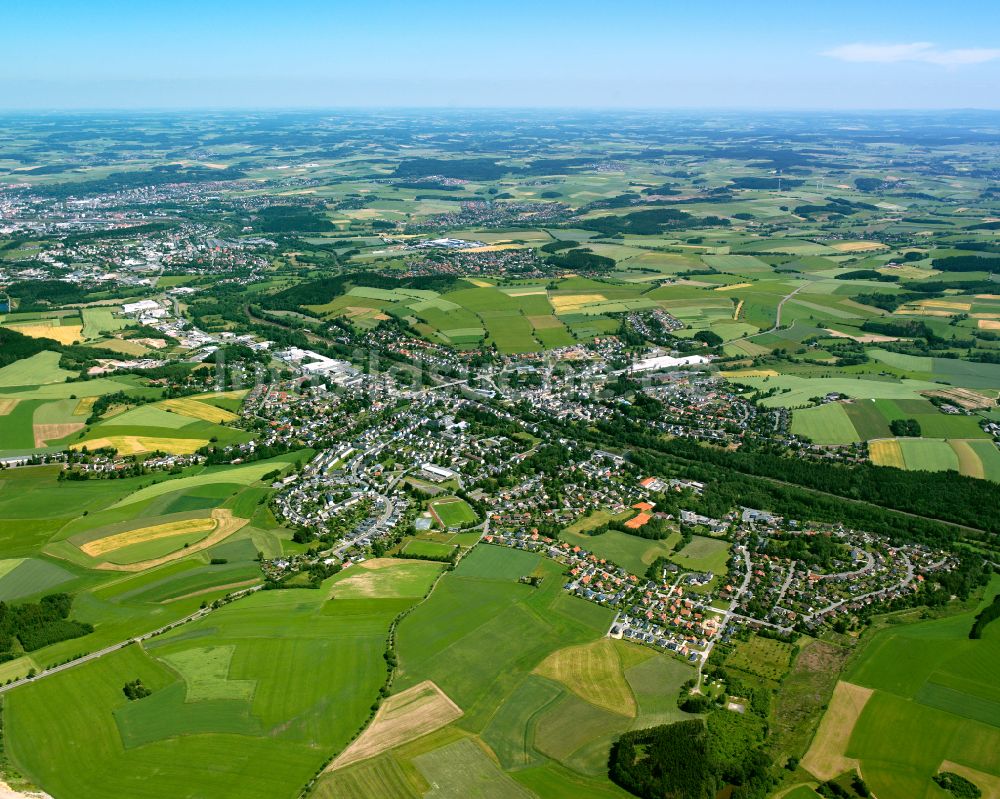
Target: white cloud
x,y
925,52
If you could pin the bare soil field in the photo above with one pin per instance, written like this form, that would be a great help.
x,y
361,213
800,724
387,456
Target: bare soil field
x,y
53,432
403,717
826,757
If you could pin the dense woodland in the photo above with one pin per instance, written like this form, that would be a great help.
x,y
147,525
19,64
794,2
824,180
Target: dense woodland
x,y
27,627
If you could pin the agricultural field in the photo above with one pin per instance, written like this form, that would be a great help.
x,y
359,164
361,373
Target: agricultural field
x,y
135,552
540,691
927,678
283,674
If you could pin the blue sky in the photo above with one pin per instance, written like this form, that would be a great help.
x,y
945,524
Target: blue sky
x,y
298,53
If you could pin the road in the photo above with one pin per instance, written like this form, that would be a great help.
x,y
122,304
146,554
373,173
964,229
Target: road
x,y
198,614
421,392
902,584
788,582
728,614
777,312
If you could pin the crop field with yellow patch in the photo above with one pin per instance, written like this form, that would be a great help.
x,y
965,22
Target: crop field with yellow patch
x,y
826,757
64,334
45,433
199,410
858,246
139,445
225,524
595,672
102,546
886,453
567,303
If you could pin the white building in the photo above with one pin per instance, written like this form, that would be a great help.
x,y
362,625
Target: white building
x,y
436,472
667,362
143,306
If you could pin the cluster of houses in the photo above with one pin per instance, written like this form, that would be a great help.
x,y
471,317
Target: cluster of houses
x,y
663,615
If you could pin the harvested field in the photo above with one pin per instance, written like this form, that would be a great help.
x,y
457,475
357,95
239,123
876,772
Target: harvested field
x,y
868,338
53,432
594,673
403,717
950,305
138,445
7,405
110,543
963,397
988,324
734,286
6,792
826,757
567,303
199,410
858,246
544,322
749,373
493,248
886,452
969,463
64,334
227,524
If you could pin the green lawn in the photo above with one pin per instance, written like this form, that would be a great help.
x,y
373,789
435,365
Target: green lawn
x,y
452,512
631,552
704,554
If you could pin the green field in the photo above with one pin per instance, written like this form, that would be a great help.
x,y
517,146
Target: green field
x,y
100,320
236,475
496,631
628,551
935,699
21,578
826,424
704,554
248,702
34,371
431,549
452,512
